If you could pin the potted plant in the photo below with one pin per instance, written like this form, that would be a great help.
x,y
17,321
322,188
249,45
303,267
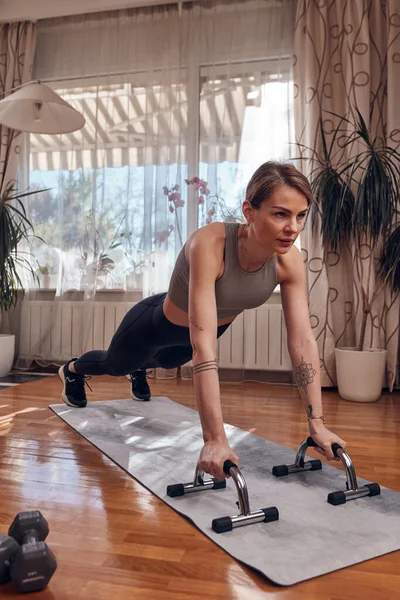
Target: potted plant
x,y
97,261
44,275
357,191
15,228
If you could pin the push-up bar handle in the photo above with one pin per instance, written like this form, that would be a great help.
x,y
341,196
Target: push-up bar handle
x,y
335,446
228,464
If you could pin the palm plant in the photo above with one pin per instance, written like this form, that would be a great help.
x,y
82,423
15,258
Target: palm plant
x,y
15,228
356,186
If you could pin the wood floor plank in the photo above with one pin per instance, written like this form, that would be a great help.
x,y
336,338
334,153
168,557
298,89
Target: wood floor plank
x,y
113,538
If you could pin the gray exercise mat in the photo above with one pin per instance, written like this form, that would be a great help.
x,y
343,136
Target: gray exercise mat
x,y
158,443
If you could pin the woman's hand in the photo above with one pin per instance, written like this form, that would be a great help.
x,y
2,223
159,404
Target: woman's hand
x,y
325,438
212,458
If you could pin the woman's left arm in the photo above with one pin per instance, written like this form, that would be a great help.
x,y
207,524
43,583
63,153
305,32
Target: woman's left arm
x,y
303,349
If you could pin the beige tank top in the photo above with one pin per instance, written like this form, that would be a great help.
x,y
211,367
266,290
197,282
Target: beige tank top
x,y
236,290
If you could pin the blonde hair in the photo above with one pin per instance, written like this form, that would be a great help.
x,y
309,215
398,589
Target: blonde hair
x,y
271,175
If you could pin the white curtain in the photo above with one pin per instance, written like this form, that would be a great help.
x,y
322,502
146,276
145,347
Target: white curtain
x,y
167,95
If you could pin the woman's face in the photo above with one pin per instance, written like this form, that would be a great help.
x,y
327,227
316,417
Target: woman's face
x,y
279,220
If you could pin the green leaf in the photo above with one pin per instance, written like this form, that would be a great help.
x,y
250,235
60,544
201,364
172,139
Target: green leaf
x,y
389,263
15,227
357,194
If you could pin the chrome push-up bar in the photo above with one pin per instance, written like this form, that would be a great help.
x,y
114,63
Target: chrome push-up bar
x,y
224,524
352,490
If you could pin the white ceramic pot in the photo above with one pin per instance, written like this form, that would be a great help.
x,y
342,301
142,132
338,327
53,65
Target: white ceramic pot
x,y
7,348
360,375
160,373
45,282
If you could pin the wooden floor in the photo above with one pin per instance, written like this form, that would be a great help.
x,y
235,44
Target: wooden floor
x,y
114,539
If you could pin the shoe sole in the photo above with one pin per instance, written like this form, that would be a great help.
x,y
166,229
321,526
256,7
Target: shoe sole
x,y
139,399
64,397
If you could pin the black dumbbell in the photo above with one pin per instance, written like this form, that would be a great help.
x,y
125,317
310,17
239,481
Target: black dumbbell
x,y
34,566
9,549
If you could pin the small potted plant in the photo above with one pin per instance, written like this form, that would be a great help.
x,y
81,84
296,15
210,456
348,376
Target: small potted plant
x,y
357,193
44,277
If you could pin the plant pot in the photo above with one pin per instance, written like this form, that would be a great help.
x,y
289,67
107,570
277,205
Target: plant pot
x,y
45,282
186,370
160,373
360,374
7,348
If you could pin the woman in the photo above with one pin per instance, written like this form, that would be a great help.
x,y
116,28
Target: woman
x,y
222,270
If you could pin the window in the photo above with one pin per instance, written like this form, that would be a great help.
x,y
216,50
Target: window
x,y
106,213
247,118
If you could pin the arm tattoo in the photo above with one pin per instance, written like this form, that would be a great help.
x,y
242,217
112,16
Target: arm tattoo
x,y
193,323
309,414
207,365
305,374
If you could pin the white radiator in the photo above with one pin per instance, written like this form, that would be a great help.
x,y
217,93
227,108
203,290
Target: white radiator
x,y
57,331
256,340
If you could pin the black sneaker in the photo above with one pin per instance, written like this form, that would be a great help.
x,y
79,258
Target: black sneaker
x,y
73,393
140,387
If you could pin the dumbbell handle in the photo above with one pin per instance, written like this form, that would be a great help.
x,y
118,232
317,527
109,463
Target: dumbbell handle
x,y
335,446
30,537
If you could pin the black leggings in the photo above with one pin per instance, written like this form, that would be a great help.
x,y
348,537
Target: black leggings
x,y
145,339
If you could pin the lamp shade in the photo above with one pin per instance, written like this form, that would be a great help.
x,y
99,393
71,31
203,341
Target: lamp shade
x,y
36,108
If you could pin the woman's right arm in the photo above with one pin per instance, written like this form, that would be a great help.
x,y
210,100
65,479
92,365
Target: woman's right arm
x,y
204,267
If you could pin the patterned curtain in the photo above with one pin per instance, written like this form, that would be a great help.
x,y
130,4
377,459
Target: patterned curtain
x,y
17,50
347,53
